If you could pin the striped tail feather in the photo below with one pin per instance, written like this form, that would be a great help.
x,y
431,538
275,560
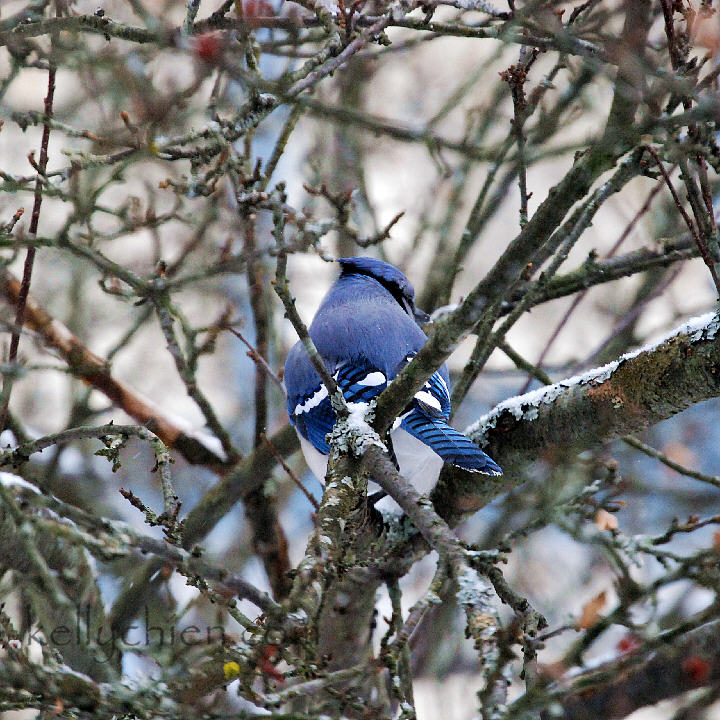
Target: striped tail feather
x,y
452,446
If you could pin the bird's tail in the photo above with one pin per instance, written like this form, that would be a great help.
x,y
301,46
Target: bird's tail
x,y
452,446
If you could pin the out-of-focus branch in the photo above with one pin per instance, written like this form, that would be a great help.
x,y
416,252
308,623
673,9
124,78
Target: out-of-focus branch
x,y
110,539
90,368
269,539
617,689
632,69
24,290
168,36
247,476
396,130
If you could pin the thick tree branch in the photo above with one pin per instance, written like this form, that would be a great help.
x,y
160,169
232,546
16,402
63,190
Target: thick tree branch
x,y
689,663
638,390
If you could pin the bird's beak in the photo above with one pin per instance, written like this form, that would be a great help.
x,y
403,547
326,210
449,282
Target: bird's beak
x,y
421,316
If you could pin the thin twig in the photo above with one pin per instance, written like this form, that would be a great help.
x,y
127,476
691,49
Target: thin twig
x,y
290,473
581,296
192,10
21,453
261,320
257,358
295,114
515,76
30,255
675,54
695,230
713,480
340,59
630,317
186,368
283,291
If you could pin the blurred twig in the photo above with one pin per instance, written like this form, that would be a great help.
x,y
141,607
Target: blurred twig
x,y
91,369
24,290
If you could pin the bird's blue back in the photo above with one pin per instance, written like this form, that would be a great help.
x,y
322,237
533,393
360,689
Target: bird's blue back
x,y
358,319
365,334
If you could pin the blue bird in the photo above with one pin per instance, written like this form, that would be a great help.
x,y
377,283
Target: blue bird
x,y
366,330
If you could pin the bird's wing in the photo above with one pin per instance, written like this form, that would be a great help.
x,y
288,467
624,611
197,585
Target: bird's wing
x,y
360,381
313,416
426,419
312,412
433,398
452,446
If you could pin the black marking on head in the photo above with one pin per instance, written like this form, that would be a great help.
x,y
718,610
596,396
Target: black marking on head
x,y
387,275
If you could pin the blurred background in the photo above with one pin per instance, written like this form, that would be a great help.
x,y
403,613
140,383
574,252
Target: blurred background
x,y
143,210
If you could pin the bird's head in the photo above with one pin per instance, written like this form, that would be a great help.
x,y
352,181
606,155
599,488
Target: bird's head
x,y
390,278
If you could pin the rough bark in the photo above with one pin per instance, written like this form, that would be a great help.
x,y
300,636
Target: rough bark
x,y
641,389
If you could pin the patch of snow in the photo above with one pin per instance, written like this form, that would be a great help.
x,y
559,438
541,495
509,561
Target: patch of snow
x,y
299,616
9,480
354,433
525,407
442,312
473,590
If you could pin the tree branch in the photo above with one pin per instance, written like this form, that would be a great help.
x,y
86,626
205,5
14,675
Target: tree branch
x,y
688,663
640,389
87,366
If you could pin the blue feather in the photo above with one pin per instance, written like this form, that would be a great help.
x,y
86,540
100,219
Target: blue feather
x,y
452,446
312,412
365,332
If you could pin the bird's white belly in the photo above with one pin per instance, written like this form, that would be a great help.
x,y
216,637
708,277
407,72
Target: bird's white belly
x,y
418,463
317,462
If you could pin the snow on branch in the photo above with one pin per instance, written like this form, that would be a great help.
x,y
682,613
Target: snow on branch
x,y
641,388
525,407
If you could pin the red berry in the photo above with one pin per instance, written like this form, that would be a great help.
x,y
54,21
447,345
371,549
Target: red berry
x,y
257,8
628,644
268,655
209,48
696,669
